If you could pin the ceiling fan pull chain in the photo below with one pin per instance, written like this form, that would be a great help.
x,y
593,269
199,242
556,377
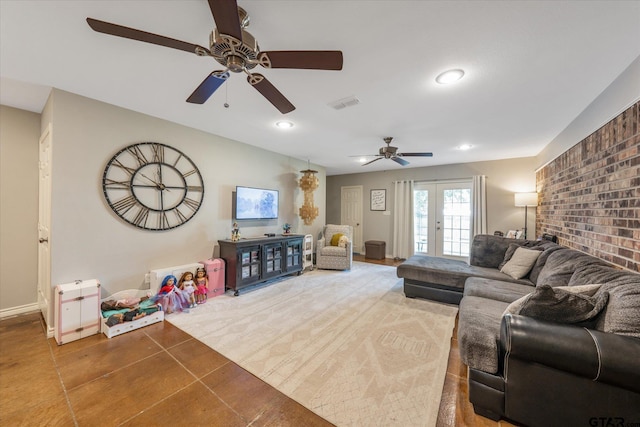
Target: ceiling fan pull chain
x,y
226,96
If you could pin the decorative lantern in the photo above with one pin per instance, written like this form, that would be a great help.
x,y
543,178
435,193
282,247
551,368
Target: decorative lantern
x,y
308,183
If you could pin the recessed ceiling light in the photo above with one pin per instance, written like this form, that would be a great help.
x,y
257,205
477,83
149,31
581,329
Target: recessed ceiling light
x,y
283,124
464,147
362,159
450,76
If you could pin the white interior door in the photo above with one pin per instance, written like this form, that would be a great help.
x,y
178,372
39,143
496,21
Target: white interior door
x,y
442,219
44,225
351,213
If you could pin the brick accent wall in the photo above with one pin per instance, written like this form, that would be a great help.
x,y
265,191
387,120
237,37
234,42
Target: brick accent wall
x,y
590,195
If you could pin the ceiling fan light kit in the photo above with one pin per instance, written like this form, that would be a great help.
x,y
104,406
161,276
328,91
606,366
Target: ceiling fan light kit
x,y
390,152
235,49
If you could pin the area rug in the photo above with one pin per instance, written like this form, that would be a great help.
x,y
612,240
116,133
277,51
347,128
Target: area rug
x,y
347,345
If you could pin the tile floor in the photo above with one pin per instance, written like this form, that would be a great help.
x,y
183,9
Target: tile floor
x,y
156,376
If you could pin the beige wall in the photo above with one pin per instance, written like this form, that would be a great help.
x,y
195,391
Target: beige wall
x,y
19,135
89,241
504,177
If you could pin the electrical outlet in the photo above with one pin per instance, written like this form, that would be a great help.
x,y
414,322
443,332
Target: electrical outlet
x,y
147,278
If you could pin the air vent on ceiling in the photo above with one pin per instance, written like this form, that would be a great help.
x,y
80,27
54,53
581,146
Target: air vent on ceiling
x,y
344,103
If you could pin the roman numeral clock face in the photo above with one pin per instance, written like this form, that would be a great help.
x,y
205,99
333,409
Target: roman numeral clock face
x,y
153,186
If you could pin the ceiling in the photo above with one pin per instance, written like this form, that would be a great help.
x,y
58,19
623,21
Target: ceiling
x,y
531,68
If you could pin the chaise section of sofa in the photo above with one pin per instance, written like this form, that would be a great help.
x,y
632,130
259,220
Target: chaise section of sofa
x,y
443,279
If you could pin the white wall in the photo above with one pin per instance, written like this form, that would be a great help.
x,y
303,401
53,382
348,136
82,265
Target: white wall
x,y
19,135
623,92
88,240
504,177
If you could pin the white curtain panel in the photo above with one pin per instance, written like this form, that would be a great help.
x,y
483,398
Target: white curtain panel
x,y
479,205
403,219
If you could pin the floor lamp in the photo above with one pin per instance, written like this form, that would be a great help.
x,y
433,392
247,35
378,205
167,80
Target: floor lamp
x,y
525,200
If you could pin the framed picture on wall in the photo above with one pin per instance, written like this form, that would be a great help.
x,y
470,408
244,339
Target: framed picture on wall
x,y
378,200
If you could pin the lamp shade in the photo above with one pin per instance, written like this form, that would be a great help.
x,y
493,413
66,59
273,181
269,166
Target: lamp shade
x,y
526,199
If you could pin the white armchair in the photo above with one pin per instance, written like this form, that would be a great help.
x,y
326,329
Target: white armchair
x,y
333,257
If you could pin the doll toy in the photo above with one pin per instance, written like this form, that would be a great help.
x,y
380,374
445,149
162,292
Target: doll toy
x,y
170,297
202,284
188,287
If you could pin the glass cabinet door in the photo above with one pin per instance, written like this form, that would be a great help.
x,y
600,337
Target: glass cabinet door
x,y
249,263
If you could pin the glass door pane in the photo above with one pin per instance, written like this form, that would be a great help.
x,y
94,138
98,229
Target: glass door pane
x,y
454,224
442,219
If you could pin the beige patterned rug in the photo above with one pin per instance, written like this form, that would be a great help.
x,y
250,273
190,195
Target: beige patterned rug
x,y
347,345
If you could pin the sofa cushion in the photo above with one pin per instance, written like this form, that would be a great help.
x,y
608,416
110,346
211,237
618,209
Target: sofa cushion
x,y
547,249
496,289
622,313
489,251
479,332
333,251
561,265
520,263
559,304
590,273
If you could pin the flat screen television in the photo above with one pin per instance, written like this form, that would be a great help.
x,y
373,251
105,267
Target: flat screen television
x,y
256,203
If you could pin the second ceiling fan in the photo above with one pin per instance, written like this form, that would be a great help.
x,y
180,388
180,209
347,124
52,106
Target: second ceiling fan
x,y
236,50
391,152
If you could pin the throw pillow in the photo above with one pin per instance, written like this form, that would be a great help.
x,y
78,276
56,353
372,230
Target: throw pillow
x,y
335,239
343,241
520,263
588,290
559,305
511,249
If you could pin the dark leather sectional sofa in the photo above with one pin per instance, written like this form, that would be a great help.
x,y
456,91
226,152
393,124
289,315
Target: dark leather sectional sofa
x,y
536,370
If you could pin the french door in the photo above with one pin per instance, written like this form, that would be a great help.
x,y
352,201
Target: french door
x,y
442,218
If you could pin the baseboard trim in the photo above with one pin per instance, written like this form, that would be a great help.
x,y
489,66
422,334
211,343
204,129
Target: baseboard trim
x,y
21,309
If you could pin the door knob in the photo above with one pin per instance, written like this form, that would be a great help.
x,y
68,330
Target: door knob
x,y
42,240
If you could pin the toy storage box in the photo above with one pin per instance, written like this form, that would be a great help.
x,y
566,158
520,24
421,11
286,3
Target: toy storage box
x,y
215,275
77,310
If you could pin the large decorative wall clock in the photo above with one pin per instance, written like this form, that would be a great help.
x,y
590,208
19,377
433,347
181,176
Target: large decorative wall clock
x,y
153,186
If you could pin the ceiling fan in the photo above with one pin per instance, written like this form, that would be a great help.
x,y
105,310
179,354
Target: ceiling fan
x,y
391,152
236,50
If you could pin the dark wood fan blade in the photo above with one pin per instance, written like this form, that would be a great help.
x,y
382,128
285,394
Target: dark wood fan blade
x,y
207,87
225,13
270,92
400,161
143,36
415,154
302,59
371,161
